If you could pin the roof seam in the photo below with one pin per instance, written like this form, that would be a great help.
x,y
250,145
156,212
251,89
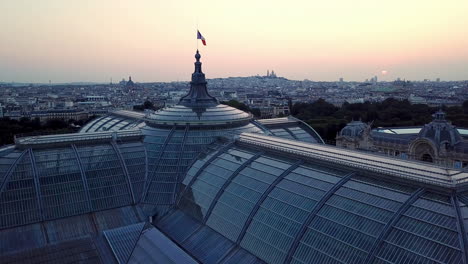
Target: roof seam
x,y
146,173
312,215
156,165
136,242
95,122
11,170
314,134
83,177
227,182
36,184
110,119
389,226
265,194
461,228
262,127
290,132
113,125
203,167
124,168
179,158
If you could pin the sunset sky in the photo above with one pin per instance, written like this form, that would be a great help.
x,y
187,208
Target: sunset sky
x,y
95,40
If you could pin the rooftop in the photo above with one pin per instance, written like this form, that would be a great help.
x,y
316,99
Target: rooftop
x,y
403,169
76,138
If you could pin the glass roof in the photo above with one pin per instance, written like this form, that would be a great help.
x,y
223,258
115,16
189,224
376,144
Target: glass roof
x,y
49,183
116,120
290,128
410,130
288,210
170,152
213,115
256,199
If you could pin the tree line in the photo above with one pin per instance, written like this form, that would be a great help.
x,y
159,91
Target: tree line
x,y
241,106
11,127
324,117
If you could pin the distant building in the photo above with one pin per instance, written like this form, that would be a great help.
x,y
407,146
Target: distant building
x,y
95,98
271,75
228,95
273,111
355,135
130,83
62,114
437,142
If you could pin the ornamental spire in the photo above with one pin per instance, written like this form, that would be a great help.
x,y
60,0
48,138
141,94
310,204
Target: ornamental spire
x,y
198,95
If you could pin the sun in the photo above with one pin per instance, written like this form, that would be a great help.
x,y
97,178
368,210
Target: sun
x,y
384,72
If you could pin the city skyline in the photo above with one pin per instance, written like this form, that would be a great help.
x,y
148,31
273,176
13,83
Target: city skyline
x,y
153,40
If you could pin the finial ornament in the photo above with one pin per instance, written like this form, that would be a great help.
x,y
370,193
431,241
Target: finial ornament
x,y
198,94
197,56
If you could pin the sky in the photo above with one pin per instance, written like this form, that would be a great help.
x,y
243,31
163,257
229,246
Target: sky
x,y
155,41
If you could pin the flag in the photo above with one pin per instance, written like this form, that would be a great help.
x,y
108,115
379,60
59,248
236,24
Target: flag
x,y
199,36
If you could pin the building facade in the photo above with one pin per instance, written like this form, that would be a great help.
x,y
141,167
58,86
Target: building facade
x,y
438,142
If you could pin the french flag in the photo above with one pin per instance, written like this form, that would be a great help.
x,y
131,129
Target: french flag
x,y
199,36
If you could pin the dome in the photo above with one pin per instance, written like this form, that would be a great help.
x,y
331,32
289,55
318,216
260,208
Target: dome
x,y
130,83
354,129
199,108
440,131
212,116
174,136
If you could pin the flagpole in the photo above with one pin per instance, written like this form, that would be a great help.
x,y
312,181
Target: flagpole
x,y
197,33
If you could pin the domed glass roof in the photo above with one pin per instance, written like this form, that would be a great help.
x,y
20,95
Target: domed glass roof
x,y
175,135
213,115
198,107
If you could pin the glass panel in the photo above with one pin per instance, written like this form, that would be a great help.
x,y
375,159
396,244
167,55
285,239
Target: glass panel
x,y
199,197
134,157
234,206
62,190
426,232
18,202
107,182
347,226
281,215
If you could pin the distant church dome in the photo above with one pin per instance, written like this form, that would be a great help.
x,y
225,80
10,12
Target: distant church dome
x,y
440,131
354,129
130,83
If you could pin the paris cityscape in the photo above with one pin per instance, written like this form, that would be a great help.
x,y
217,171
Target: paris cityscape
x,y
305,132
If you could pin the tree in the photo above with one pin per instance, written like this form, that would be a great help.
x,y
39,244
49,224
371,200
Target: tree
x,y
238,105
146,105
256,112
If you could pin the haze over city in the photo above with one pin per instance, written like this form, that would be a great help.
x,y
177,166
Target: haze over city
x,y
74,41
